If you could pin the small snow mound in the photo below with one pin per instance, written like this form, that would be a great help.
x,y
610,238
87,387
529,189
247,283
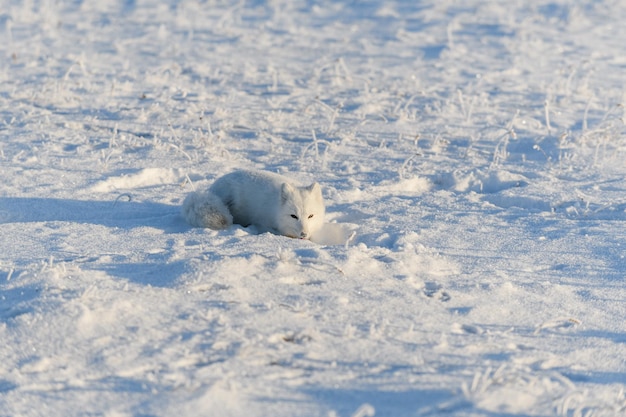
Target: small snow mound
x,y
489,182
143,178
413,185
530,203
333,234
495,181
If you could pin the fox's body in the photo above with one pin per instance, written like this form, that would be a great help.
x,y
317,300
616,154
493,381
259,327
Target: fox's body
x,y
268,201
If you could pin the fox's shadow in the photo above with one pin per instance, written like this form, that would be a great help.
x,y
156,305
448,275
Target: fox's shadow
x,y
117,213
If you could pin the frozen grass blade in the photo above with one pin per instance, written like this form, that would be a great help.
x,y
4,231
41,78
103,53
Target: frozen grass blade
x,y
315,146
500,153
546,110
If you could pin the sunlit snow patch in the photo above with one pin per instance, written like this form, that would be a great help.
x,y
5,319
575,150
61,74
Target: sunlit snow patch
x,y
333,234
143,178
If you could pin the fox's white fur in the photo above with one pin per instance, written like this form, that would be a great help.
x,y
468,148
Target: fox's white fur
x,y
268,201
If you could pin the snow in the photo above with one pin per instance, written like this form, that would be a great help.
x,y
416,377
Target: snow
x,y
471,157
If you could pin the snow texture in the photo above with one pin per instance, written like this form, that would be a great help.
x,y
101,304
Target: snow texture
x,y
471,156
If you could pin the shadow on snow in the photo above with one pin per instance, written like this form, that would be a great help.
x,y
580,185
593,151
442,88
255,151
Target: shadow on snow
x,y
119,213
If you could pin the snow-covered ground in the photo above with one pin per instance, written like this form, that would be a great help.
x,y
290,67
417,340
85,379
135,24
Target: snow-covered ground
x,y
472,156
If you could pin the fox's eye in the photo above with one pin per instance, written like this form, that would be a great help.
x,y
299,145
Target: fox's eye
x,y
311,216
294,216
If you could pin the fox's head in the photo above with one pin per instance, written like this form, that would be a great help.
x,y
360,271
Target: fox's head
x,y
302,210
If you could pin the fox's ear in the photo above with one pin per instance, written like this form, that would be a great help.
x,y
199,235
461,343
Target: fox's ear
x,y
286,192
315,189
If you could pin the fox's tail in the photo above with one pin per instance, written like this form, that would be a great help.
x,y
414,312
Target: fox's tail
x,y
205,209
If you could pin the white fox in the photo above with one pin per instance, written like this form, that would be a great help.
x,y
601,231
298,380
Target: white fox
x,y
263,199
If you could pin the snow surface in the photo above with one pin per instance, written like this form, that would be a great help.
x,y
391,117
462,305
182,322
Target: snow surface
x,y
472,159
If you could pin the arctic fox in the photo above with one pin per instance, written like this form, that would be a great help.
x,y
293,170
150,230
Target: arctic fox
x,y
268,201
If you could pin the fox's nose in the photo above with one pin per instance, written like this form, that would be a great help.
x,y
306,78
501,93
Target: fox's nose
x,y
304,235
